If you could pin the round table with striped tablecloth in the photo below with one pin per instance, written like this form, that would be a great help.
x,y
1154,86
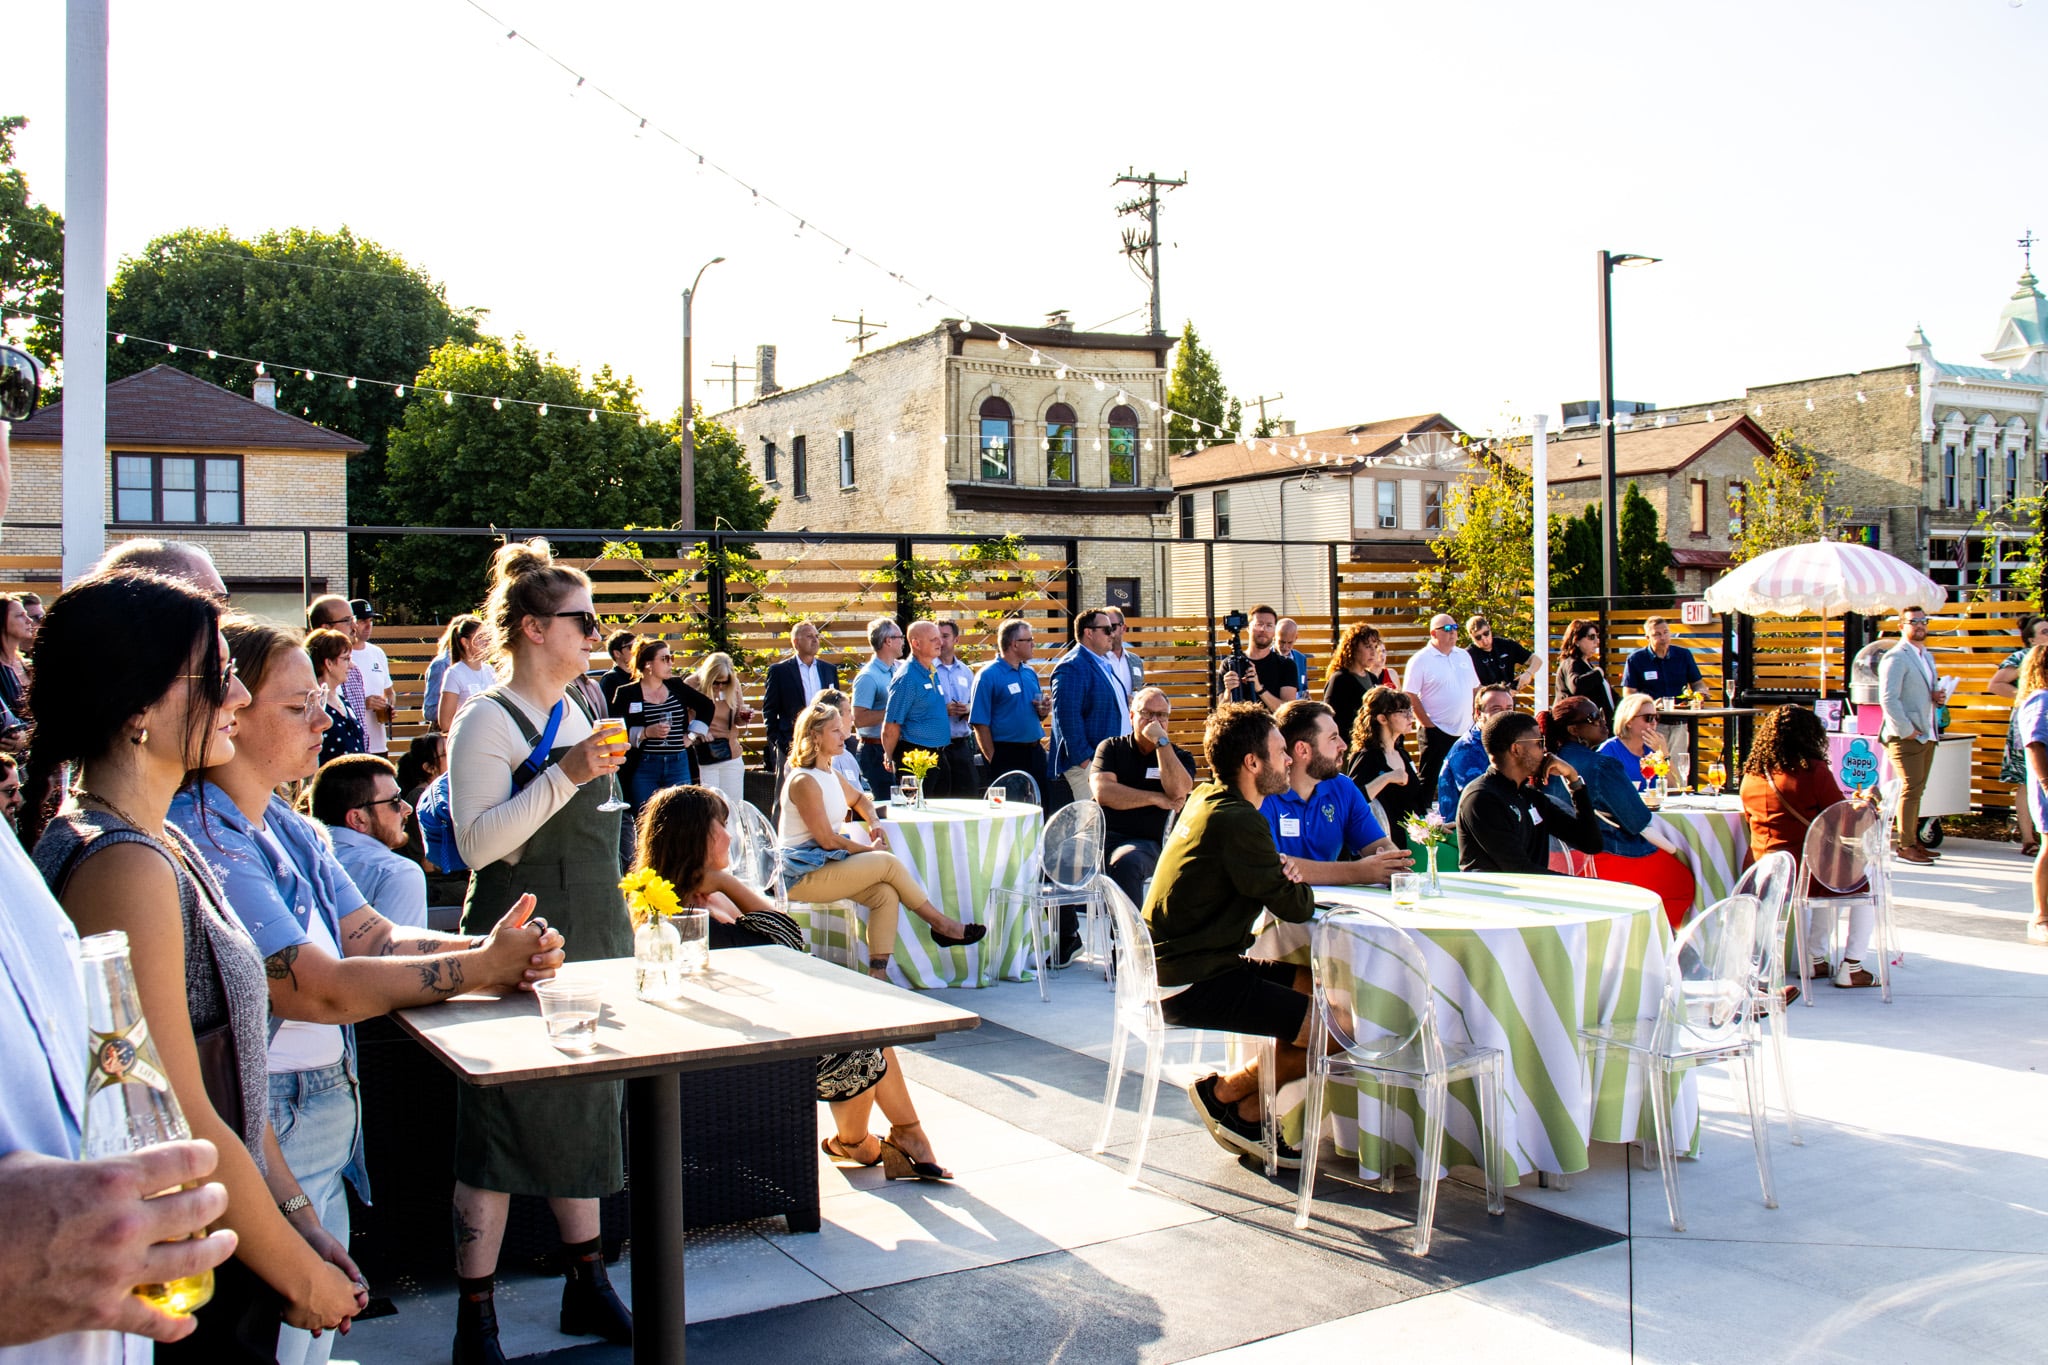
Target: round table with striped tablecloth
x,y
959,849
1714,839
1521,963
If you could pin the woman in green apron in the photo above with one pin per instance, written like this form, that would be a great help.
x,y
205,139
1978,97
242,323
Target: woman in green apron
x,y
542,831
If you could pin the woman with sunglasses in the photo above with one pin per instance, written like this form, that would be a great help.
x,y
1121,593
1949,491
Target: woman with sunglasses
x,y
543,832
1632,848
1579,673
116,862
329,651
719,763
661,712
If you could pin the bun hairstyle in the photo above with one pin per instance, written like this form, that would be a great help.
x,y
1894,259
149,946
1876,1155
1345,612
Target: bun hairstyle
x,y
83,696
525,581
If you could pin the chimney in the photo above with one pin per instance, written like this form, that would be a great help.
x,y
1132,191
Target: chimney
x,y
764,372
1287,426
264,391
1058,321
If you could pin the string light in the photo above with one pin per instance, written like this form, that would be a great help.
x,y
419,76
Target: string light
x,y
212,355
497,405
351,381
543,409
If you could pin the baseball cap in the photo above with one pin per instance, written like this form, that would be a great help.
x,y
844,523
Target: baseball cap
x,y
360,608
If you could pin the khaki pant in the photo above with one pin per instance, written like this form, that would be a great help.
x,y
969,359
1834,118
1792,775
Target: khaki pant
x,y
1912,758
1077,781
880,881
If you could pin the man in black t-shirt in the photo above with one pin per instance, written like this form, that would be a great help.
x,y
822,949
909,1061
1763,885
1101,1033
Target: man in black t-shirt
x,y
1497,659
1140,780
1272,674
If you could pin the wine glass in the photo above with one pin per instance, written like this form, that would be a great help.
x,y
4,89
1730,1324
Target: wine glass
x,y
1647,765
906,787
613,731
1717,773
1681,768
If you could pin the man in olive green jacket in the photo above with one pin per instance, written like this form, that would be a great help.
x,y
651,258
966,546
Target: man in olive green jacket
x,y
1218,871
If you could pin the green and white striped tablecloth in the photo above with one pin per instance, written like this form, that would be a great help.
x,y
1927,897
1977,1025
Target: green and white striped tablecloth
x,y
959,849
1715,839
1520,963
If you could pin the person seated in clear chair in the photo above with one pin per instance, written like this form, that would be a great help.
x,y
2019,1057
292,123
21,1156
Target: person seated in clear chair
x,y
1467,759
1632,848
1505,821
1636,736
1321,822
822,863
1140,781
683,838
1220,870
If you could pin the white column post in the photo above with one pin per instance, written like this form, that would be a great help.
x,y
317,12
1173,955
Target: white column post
x,y
85,285
1539,471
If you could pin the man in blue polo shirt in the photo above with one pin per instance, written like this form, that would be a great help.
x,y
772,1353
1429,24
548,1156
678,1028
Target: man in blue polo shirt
x,y
1662,670
1322,824
916,715
871,699
1007,714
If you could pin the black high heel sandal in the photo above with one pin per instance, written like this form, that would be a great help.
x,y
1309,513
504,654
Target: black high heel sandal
x,y
897,1165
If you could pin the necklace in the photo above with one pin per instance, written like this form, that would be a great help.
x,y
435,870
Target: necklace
x,y
126,818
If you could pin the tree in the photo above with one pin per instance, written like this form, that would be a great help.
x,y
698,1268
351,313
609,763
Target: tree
x,y
1785,502
31,257
296,297
1575,554
1196,389
1643,559
1485,554
729,497
467,463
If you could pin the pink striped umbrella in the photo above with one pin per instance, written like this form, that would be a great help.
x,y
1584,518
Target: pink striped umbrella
x,y
1825,578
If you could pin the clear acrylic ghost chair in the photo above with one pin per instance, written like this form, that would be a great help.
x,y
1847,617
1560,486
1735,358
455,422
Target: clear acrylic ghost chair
x,y
1064,869
756,859
1769,879
1138,1014
1704,1016
1847,864
1017,785
1359,954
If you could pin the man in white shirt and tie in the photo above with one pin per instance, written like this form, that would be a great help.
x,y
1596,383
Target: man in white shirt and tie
x,y
1909,690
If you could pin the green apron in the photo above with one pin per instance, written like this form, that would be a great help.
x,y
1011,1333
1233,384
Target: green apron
x,y
561,1140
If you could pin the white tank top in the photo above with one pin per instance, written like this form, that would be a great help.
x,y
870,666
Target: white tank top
x,y
790,826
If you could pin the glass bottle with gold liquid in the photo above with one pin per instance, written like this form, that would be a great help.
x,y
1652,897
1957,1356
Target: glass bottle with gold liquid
x,y
129,1103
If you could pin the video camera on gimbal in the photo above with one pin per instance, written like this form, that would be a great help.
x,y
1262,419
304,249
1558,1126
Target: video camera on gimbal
x,y
1239,662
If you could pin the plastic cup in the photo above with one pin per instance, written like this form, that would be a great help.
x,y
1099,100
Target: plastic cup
x,y
1407,888
569,1008
996,797
694,928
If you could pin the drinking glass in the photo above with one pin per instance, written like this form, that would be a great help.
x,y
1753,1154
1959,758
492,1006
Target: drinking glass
x,y
1681,768
1407,888
569,1009
1717,773
694,927
907,787
613,731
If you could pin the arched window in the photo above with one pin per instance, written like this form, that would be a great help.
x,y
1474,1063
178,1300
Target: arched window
x,y
1059,444
995,440
1123,447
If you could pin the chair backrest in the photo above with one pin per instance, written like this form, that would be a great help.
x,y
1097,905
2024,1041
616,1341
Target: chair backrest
x,y
1018,785
756,856
1070,855
1769,879
1371,986
1836,850
1137,970
1710,973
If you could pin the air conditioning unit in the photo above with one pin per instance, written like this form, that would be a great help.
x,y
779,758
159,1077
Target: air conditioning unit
x,y
1390,523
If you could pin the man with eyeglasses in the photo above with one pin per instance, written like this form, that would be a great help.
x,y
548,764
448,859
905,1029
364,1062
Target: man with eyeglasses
x,y
1909,689
1140,780
1440,681
871,701
1008,712
1467,758
356,797
1505,821
1497,659
917,717
1091,701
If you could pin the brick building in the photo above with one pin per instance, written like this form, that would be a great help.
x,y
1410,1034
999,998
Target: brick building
x,y
1056,434
189,460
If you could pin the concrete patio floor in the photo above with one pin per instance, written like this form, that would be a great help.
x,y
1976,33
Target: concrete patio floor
x,y
1913,1223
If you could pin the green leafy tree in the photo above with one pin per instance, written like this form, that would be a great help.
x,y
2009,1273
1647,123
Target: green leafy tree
x,y
729,497
1643,557
1486,553
1196,389
1784,503
31,256
467,463
1575,554
326,301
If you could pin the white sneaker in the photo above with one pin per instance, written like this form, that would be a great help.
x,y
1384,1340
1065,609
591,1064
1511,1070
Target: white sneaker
x,y
1851,974
2037,933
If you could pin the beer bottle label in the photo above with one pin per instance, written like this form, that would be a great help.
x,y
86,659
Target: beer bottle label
x,y
117,1060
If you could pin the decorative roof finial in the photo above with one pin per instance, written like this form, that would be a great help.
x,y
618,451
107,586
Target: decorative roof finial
x,y
2026,245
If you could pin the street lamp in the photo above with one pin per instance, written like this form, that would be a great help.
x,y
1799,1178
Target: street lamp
x,y
1610,528
687,514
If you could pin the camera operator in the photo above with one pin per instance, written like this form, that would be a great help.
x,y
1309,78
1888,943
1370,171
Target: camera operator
x,y
1261,673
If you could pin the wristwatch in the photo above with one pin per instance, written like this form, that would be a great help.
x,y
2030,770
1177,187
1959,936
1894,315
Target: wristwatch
x,y
294,1204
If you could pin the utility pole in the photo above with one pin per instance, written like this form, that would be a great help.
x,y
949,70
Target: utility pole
x,y
1261,402
733,368
1138,244
686,439
860,324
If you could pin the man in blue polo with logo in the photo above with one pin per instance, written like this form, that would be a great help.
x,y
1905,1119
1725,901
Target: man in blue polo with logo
x,y
1322,824
916,715
1007,714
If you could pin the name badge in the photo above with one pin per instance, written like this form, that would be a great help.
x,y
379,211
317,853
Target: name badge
x,y
1649,675
1535,816
1290,826
632,706
927,687
1152,773
1016,689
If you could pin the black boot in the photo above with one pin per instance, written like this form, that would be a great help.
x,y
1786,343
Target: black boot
x,y
590,1306
476,1325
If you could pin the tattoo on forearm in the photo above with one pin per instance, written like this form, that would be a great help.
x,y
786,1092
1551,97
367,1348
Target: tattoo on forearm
x,y
278,966
363,931
442,975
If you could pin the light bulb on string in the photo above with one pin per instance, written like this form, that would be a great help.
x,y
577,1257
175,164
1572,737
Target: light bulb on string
x,y
400,391
212,354
892,438
1909,390
497,405
309,375
1099,385
590,417
966,326
544,410
1035,360
448,398
1060,373
120,338
643,417
351,381
1002,342
1809,405
1710,414
260,369
171,348
1860,398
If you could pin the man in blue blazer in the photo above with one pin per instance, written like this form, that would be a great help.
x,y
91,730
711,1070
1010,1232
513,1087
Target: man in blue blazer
x,y
1091,702
793,683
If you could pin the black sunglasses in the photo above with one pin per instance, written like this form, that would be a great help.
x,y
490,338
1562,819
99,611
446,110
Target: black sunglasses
x,y
588,619
387,801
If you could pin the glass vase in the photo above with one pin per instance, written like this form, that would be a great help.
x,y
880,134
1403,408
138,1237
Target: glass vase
x,y
657,961
1433,886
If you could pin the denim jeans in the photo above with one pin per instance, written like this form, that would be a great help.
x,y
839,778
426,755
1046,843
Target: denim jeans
x,y
656,772
317,1116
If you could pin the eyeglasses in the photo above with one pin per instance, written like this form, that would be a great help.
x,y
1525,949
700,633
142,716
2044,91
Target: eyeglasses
x,y
395,802
307,704
588,619
226,676
1151,714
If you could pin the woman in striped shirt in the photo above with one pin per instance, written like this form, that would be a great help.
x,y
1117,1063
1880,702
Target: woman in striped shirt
x,y
658,709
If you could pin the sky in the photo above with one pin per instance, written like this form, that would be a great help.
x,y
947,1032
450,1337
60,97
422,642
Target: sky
x,y
1391,208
